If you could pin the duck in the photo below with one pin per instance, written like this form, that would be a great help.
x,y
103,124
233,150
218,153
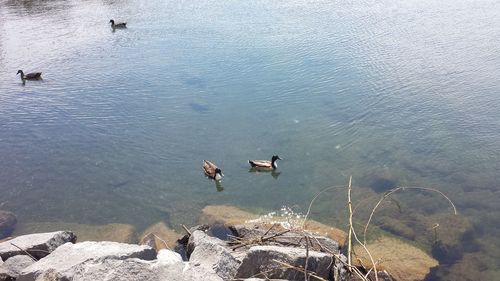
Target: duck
x,y
265,164
29,76
118,25
212,171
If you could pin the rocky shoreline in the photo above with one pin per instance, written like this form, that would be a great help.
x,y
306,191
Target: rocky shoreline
x,y
57,256
232,245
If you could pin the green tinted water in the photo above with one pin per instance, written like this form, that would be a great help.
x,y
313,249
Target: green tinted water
x,y
391,93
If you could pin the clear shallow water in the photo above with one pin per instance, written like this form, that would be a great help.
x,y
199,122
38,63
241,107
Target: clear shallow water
x,y
118,128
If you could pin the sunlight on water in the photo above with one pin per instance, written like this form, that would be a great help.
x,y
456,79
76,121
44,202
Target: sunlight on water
x,y
390,93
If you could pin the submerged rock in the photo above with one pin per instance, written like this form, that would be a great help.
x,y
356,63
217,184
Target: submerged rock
x,y
11,269
326,230
116,232
402,260
225,214
160,236
7,222
38,245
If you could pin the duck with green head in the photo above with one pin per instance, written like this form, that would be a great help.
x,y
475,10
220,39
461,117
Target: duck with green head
x,y
265,164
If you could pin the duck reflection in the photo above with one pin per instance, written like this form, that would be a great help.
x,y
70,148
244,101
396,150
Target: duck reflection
x,y
274,173
218,186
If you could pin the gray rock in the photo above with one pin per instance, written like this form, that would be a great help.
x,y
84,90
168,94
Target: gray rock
x,y
339,270
38,245
71,261
169,266
295,238
258,279
186,272
168,257
7,222
115,266
262,259
11,269
211,254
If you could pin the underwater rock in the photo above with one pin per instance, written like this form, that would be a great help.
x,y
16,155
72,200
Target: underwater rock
x,y
379,179
396,226
446,253
326,230
155,233
225,214
7,222
116,232
404,261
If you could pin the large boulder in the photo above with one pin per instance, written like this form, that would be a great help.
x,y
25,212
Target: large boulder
x,y
7,222
272,262
89,261
210,254
37,245
11,269
257,231
70,260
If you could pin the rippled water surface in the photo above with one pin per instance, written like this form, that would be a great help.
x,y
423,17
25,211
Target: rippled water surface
x,y
392,93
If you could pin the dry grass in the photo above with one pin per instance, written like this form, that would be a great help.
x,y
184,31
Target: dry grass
x,y
392,254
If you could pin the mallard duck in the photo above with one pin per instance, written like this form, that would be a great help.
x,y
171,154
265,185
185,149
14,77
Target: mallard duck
x,y
212,171
29,76
118,25
265,164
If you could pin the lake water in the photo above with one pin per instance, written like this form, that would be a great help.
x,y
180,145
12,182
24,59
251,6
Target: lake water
x,y
392,93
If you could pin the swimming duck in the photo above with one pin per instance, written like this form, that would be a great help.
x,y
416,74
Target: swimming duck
x,y
29,76
118,25
265,164
212,171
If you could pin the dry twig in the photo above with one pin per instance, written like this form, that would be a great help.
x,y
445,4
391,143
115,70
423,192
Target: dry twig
x,y
26,252
186,229
260,239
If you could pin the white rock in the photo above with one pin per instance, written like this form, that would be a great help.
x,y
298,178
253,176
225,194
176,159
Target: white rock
x,y
211,254
11,268
168,257
262,259
38,245
71,259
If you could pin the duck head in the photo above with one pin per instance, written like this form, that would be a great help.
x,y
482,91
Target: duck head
x,y
20,71
218,174
273,161
112,22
